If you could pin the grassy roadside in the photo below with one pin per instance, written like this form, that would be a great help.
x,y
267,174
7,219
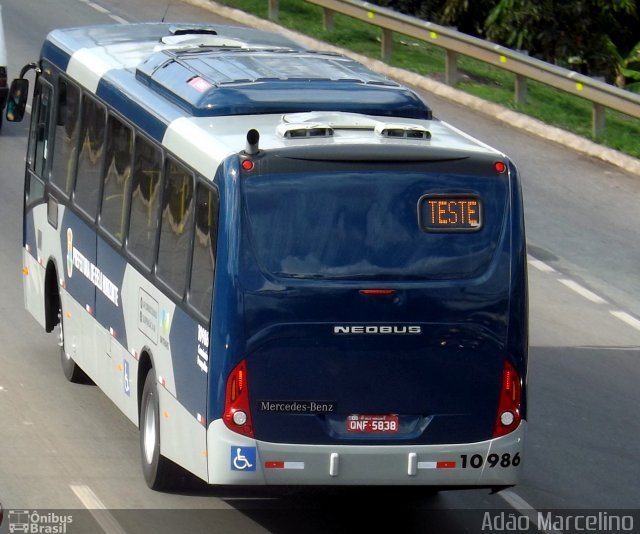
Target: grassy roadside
x,y
485,81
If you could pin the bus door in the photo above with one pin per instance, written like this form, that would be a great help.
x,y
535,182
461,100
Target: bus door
x,y
35,212
78,240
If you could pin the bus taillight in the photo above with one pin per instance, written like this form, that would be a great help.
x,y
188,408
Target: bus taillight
x,y
237,410
509,415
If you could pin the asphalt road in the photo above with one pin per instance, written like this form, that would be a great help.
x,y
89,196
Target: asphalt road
x,y
67,447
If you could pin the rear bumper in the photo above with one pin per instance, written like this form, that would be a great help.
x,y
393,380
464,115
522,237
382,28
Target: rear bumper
x,y
235,459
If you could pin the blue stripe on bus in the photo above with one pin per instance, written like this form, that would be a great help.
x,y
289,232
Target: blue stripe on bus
x,y
56,56
190,380
127,102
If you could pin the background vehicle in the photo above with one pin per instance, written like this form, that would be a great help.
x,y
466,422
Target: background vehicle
x,y
4,89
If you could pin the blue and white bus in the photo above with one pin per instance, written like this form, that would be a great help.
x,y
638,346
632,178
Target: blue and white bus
x,y
276,262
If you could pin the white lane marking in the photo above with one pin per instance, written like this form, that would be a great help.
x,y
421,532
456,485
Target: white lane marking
x,y
99,511
97,7
118,19
630,320
582,291
540,265
523,507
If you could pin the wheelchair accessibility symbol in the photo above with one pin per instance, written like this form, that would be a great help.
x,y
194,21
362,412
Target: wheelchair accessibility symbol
x,y
243,458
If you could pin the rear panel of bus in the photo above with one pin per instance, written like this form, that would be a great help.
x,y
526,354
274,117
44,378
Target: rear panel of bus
x,y
381,302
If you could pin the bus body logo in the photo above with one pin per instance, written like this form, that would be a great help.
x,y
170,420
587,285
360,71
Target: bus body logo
x,y
165,322
127,383
377,330
69,252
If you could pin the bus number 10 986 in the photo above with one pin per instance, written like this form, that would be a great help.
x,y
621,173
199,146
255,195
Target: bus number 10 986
x,y
476,461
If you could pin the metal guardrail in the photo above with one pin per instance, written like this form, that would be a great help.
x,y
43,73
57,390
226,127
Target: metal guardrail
x,y
602,95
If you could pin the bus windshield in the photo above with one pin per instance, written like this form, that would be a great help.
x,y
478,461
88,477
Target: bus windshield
x,y
366,225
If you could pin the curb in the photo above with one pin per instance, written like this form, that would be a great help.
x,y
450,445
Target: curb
x,y
512,118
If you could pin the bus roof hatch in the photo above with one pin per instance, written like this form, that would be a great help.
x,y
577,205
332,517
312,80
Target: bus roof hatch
x,y
234,79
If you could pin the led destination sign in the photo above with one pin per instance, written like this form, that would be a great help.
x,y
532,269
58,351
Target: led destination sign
x,y
451,213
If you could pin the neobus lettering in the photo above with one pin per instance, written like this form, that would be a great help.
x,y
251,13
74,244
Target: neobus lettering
x,y
375,329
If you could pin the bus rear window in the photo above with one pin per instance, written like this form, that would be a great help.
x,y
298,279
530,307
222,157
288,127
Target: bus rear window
x,y
368,225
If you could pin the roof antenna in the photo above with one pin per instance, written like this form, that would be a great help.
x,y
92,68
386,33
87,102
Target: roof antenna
x,y
166,10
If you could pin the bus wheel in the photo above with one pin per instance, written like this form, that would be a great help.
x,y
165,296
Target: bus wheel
x,y
159,472
70,368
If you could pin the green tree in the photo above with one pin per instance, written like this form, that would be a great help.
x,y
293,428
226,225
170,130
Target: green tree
x,y
627,68
595,37
466,15
573,34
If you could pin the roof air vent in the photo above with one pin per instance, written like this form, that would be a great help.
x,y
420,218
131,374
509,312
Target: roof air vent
x,y
402,131
192,30
304,130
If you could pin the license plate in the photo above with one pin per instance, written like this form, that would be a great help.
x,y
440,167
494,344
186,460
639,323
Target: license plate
x,y
385,424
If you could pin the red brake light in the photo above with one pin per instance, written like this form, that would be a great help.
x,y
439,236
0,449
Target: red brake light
x,y
240,380
509,416
499,166
237,409
377,291
247,164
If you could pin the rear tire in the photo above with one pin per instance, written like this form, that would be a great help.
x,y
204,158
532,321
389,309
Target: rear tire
x,y
159,472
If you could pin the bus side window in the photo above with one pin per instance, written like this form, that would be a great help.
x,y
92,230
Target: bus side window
x,y
117,174
145,198
204,249
90,159
65,147
176,228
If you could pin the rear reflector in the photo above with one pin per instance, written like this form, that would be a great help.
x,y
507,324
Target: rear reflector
x,y
284,465
508,417
436,465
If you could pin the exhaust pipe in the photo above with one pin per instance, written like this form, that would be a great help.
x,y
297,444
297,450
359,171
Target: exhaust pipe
x,y
253,139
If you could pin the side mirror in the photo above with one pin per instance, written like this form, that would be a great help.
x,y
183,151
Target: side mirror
x,y
17,102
